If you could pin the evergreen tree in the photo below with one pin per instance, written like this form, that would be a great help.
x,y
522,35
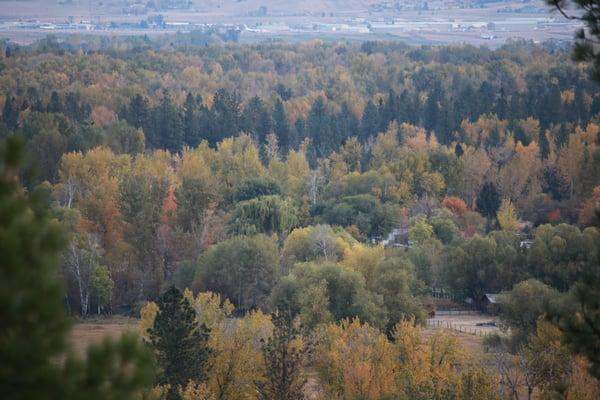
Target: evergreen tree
x,y
265,124
179,343
138,112
501,107
283,357
299,133
488,201
281,126
432,109
347,122
167,132
443,129
191,120
319,129
369,122
563,135
390,110
54,105
486,97
458,150
544,145
225,112
249,120
10,113
34,326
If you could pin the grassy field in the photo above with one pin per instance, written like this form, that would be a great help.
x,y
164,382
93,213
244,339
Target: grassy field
x,y
92,331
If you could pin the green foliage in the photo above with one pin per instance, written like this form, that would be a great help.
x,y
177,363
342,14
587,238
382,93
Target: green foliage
x,y
179,343
347,295
560,254
102,286
243,269
364,211
480,265
394,280
580,323
265,214
34,327
521,308
257,187
420,230
444,229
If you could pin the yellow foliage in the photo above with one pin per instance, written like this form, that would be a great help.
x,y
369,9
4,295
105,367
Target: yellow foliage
x,y
426,368
194,391
147,316
364,259
211,310
356,361
507,216
581,385
236,364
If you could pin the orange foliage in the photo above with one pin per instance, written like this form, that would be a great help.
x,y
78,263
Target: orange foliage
x,y
456,205
169,206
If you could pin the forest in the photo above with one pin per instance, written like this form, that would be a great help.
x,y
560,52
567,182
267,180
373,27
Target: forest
x,y
306,207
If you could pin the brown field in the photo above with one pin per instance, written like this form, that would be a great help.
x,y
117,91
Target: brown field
x,y
87,332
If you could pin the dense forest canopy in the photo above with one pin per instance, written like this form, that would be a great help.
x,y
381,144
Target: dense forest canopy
x,y
342,187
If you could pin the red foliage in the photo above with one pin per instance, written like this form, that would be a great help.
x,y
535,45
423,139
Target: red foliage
x,y
554,215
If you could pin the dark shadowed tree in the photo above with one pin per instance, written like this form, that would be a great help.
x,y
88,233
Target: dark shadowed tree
x,y
488,201
281,126
179,342
586,38
581,324
284,357
34,328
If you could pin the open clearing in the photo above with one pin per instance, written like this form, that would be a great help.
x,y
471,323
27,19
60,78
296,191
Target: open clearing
x,y
473,323
87,332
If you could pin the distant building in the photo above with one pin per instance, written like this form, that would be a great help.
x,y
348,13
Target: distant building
x,y
489,302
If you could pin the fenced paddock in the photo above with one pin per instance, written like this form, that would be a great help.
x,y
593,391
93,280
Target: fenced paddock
x,y
464,321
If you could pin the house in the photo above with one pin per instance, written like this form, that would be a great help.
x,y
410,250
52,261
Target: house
x,y
489,302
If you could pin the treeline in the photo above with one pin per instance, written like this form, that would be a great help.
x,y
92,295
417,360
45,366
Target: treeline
x,y
327,93
220,220
203,349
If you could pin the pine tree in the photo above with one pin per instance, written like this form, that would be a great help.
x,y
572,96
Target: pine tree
x,y
138,112
369,122
10,113
544,145
191,120
281,126
458,150
34,326
283,357
581,325
54,105
432,109
488,201
179,343
318,127
225,113
168,131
